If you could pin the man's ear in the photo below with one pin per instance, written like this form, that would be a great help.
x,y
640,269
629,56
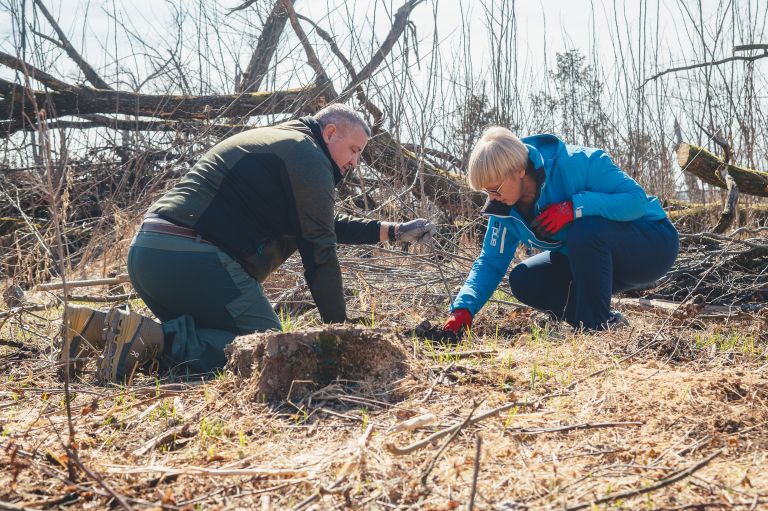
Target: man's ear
x,y
328,132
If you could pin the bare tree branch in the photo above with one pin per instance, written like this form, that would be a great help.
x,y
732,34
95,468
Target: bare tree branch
x,y
702,64
401,21
748,47
374,110
31,71
90,74
312,60
265,47
243,6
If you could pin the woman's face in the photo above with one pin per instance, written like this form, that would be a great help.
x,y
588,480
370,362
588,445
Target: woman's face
x,y
509,190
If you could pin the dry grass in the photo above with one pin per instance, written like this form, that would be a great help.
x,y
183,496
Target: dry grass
x,y
648,402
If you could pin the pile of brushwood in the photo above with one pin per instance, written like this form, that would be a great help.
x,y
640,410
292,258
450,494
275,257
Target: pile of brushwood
x,y
725,270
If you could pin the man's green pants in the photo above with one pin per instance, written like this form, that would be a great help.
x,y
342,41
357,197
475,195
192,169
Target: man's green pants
x,y
203,297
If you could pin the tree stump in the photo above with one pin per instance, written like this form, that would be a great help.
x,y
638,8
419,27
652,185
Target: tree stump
x,y
289,365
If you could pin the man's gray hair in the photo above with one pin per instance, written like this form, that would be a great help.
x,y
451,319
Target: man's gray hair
x,y
341,115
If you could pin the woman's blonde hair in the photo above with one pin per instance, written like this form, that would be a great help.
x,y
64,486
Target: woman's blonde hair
x,y
496,155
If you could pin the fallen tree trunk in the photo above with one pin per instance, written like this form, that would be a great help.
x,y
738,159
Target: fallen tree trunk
x,y
15,105
706,166
387,155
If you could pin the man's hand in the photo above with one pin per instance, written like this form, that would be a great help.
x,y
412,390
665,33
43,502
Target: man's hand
x,y
461,319
415,231
552,219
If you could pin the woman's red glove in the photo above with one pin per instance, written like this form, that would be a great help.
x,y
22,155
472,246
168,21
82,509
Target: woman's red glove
x,y
460,320
552,219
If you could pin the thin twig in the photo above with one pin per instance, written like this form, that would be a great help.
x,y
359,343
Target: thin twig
x,y
119,279
119,498
469,353
639,491
573,427
210,472
7,506
439,434
345,472
455,433
702,64
437,382
475,472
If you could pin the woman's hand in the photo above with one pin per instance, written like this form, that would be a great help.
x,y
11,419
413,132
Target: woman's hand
x,y
460,320
552,219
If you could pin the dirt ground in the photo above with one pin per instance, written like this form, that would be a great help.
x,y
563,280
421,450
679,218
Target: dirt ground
x,y
667,414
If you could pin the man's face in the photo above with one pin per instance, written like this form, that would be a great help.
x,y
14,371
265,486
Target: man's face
x,y
345,143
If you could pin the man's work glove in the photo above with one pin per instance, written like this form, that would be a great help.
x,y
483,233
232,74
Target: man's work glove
x,y
415,231
552,219
460,320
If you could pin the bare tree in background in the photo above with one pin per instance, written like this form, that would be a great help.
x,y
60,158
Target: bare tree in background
x,y
125,119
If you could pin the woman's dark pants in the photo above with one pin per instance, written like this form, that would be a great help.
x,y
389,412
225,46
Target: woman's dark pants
x,y
604,257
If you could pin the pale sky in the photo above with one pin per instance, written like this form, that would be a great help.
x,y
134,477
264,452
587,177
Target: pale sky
x,y
568,23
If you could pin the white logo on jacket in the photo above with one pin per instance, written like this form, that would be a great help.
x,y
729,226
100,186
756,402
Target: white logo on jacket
x,y
495,229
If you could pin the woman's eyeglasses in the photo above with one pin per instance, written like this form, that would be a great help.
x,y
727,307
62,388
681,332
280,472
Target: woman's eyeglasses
x,y
496,191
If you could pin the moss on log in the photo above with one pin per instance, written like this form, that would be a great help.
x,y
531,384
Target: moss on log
x,y
705,165
288,365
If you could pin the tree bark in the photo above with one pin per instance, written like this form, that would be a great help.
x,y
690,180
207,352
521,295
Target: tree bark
x,y
731,204
706,166
15,105
387,155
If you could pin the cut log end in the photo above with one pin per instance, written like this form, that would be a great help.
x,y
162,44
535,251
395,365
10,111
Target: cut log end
x,y
710,168
683,153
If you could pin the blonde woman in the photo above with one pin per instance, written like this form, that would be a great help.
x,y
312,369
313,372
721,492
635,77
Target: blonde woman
x,y
599,231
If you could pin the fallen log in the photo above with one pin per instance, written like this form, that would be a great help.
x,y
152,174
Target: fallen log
x,y
81,100
447,191
706,166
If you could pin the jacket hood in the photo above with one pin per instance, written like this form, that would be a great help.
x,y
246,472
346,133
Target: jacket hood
x,y
543,148
311,127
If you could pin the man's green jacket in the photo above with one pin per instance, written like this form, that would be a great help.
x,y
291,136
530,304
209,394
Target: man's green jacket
x,y
262,194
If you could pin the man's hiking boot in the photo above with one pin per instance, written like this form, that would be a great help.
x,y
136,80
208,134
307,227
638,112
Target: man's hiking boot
x,y
133,342
82,336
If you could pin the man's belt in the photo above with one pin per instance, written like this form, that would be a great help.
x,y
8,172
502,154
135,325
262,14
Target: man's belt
x,y
166,227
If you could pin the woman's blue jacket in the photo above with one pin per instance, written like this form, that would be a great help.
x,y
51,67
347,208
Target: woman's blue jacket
x,y
585,176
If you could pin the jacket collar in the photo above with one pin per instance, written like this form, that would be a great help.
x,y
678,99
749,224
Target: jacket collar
x,y
543,150
317,134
